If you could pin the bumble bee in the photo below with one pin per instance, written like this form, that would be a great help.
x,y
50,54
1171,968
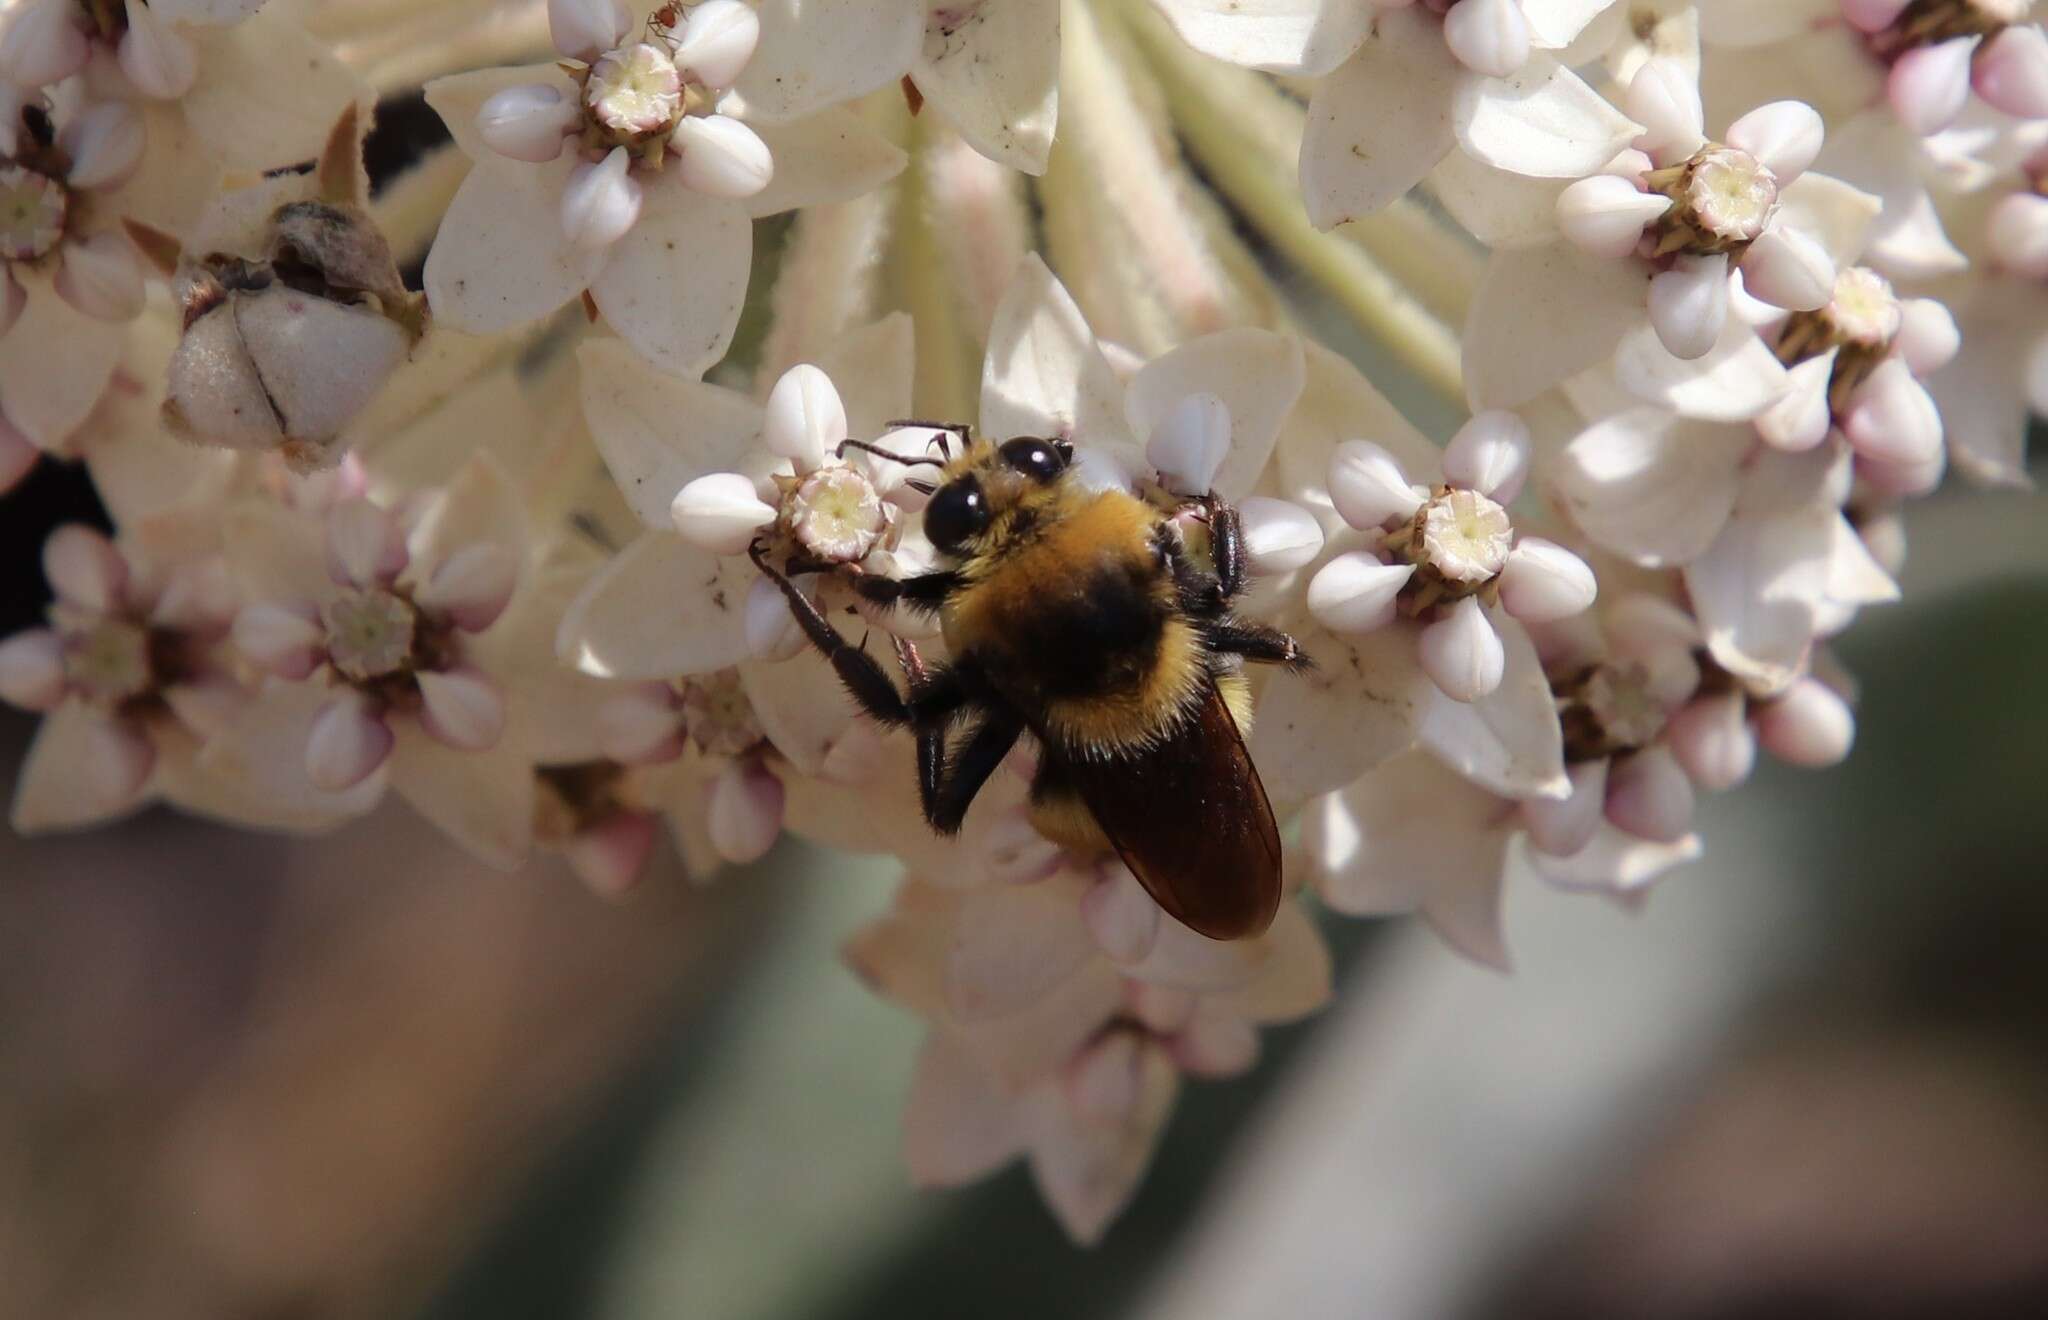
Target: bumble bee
x,y
1077,615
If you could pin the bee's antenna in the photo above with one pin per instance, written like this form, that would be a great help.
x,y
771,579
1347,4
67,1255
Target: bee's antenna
x,y
921,487
947,431
880,452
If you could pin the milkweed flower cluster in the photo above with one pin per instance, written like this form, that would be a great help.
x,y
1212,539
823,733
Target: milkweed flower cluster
x,y
449,483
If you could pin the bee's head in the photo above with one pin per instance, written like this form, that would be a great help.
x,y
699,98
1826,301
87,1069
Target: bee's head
x,y
985,489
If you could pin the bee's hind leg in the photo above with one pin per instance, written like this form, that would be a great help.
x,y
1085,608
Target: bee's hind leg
x,y
1258,644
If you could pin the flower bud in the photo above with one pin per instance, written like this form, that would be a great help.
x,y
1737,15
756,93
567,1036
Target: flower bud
x,y
1928,337
585,29
1121,916
1279,536
1563,828
611,855
530,122
1461,652
2018,234
1689,304
161,64
1784,136
1544,582
472,586
1606,215
1488,36
1354,593
1665,100
463,708
1218,1044
746,812
719,156
1189,444
1712,741
101,277
279,639
1809,725
601,202
2012,73
1105,1080
771,630
1800,418
1015,853
347,743
1368,486
642,725
1892,418
1649,796
805,420
42,43
1929,84
1489,454
84,569
105,143
717,41
1872,15
720,513
1787,268
32,669
365,545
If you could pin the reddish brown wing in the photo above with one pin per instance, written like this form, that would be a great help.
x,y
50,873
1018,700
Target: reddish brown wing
x,y
1191,820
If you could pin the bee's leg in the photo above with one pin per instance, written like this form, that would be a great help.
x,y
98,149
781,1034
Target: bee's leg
x,y
931,729
1226,546
1258,643
926,589
979,755
860,672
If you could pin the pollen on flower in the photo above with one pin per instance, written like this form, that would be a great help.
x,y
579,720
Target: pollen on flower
x,y
370,634
835,514
33,209
634,93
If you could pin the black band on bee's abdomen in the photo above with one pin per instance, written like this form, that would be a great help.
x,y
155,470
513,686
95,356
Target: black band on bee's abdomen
x,y
1100,636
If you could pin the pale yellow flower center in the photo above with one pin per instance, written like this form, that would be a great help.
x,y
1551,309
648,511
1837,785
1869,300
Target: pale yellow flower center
x,y
1730,193
635,90
1865,311
1466,537
718,716
836,515
33,207
109,662
369,634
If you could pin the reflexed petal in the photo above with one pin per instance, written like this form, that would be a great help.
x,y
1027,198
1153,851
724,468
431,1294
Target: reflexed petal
x,y
678,314
1257,374
1508,741
500,260
1309,37
276,555
56,366
958,1122
1322,729
1381,121
1650,487
1543,121
1542,314
826,157
1338,404
658,433
994,74
1086,1172
660,609
1733,381
483,801
815,53
1614,862
82,769
801,706
1045,376
1757,590
268,92
1012,944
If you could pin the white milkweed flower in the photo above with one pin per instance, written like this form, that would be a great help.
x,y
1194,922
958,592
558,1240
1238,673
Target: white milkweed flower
x,y
633,172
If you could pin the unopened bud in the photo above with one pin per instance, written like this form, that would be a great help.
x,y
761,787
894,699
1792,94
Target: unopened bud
x,y
1712,741
1929,84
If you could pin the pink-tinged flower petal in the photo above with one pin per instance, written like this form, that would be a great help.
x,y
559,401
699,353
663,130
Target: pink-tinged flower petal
x,y
472,587
1712,740
611,855
348,741
1664,96
1291,983
1810,725
1381,120
1216,1045
1614,862
1044,375
679,314
530,122
1784,136
501,260
804,420
101,277
1801,418
280,638
1279,536
641,725
1892,418
1121,915
1543,120
1309,37
1872,15
1462,653
1319,730
2017,232
958,1122
365,545
1689,305
1649,796
1653,489
1489,454
1180,957
746,812
55,368
478,505
160,63
1928,337
1563,828
1489,37
1161,1008
1369,488
1508,741
1355,593
483,801
658,610
1929,84
1787,268
585,29
42,42
831,156
84,568
1544,582
1542,314
815,53
2012,73
1086,1172
83,769
462,708
32,670
1737,378
1254,375
994,75
105,143
1757,590
1012,945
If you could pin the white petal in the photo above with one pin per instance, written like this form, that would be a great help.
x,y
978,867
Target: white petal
x,y
1614,862
1688,305
1189,442
1279,536
1787,268
365,545
958,1122
1800,419
1784,135
658,610
280,638
1381,121
1652,489
1543,121
271,94
1544,582
467,102
1839,217
1355,592
994,74
771,630
1542,314
600,202
1310,37
82,769
585,29
657,432
717,40
1489,454
42,42
500,260
1462,653
1045,376
1500,209
105,142
1368,486
1604,214
481,800
1757,588
831,156
1257,376
719,156
1508,741
472,586
155,58
815,53
804,420
1928,337
1892,418
1323,729
1737,378
101,277
679,315
721,513
1488,36
463,708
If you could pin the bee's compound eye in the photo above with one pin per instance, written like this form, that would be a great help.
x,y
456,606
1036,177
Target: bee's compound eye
x,y
955,514
1034,458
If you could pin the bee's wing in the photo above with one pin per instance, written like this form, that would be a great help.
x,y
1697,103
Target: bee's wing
x,y
1191,820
